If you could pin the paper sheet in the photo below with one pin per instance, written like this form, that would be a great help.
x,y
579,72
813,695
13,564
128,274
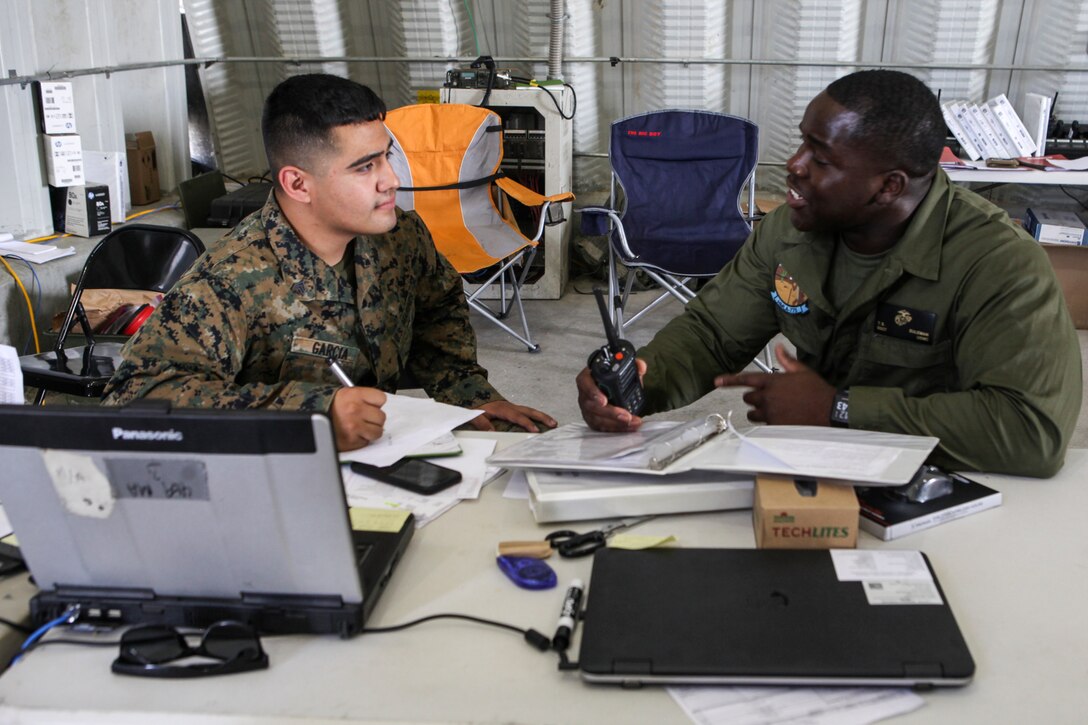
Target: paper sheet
x,y
11,376
363,492
409,424
1080,164
799,705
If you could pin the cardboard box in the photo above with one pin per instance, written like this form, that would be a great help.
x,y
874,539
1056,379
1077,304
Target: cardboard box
x,y
56,106
1055,227
143,168
1071,267
804,513
64,160
87,212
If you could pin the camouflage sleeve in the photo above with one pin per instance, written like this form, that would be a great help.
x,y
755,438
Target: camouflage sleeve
x,y
193,351
443,352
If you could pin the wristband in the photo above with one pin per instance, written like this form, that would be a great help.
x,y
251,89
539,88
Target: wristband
x,y
840,409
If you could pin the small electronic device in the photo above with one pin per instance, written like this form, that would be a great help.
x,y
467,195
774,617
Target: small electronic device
x,y
613,366
412,474
526,572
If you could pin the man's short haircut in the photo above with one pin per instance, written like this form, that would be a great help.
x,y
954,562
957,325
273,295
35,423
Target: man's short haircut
x,y
900,117
301,112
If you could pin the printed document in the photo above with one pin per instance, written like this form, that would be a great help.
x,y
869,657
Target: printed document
x,y
11,376
409,424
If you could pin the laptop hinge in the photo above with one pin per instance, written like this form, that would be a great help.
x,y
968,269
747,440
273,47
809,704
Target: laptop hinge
x,y
923,670
288,601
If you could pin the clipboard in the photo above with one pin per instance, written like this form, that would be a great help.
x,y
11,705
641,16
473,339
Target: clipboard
x,y
714,444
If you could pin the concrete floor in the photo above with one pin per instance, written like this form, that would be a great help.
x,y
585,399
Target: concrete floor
x,y
569,329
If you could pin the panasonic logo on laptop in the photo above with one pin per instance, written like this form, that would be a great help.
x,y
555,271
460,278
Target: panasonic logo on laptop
x,y
125,434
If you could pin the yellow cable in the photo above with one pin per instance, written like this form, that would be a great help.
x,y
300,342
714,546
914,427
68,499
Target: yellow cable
x,y
45,239
150,211
29,306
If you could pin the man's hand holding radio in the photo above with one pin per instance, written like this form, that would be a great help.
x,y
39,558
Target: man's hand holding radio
x,y
596,410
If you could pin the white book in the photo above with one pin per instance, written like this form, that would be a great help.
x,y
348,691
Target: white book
x,y
1037,119
888,517
963,115
998,130
1014,128
954,126
994,148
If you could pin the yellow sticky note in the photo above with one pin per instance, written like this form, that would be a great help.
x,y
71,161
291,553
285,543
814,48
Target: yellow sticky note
x,y
427,96
377,519
634,541
10,539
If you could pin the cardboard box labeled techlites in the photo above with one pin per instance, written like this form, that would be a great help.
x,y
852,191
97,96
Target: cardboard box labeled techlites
x,y
143,168
87,212
804,513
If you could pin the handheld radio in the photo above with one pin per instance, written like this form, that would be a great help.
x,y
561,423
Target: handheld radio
x,y
613,366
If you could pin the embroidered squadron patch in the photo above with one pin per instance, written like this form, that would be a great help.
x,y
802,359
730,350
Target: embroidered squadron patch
x,y
787,294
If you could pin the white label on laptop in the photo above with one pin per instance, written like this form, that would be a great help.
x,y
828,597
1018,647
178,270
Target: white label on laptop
x,y
897,591
83,488
853,565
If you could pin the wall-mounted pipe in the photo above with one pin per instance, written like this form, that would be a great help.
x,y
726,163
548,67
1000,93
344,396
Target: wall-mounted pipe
x,y
555,42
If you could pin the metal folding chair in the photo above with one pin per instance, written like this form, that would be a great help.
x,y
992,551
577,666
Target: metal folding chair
x,y
674,212
448,159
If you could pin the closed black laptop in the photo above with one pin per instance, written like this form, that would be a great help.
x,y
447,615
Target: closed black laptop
x,y
767,616
187,517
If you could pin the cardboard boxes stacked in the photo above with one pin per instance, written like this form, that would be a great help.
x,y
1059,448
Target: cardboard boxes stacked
x,y
1064,238
143,167
78,207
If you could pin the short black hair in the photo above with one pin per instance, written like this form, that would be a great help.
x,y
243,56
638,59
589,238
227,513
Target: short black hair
x,y
899,115
300,113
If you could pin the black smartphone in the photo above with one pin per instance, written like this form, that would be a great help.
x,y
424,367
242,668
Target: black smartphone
x,y
412,474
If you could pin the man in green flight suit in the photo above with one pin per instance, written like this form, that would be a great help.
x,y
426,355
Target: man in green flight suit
x,y
915,306
328,269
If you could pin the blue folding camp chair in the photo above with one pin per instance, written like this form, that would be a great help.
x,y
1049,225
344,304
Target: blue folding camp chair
x,y
679,218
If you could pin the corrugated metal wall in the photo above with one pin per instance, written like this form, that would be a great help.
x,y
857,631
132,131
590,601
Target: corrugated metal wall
x,y
665,42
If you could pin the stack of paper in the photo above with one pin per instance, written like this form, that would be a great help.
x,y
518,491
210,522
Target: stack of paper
x,y
36,253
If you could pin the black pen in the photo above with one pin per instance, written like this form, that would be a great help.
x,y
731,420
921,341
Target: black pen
x,y
568,615
339,373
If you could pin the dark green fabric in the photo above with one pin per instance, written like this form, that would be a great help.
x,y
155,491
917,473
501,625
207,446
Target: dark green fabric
x,y
1000,385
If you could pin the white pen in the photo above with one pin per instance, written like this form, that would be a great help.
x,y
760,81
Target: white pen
x,y
339,373
568,615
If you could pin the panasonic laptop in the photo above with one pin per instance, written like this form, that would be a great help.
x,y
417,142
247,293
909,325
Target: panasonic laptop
x,y
769,617
187,517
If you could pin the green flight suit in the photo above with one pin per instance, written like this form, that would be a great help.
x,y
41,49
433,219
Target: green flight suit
x,y
976,345
252,324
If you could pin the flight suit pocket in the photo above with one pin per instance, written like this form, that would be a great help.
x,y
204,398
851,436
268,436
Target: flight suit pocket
x,y
916,368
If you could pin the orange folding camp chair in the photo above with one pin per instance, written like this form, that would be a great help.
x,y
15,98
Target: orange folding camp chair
x,y
448,159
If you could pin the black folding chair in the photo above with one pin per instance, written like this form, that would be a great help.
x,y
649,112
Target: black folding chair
x,y
133,257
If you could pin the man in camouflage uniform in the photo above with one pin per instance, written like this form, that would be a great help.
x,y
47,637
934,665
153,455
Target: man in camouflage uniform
x,y
915,306
329,268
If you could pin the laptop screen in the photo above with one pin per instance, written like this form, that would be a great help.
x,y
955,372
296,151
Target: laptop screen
x,y
178,503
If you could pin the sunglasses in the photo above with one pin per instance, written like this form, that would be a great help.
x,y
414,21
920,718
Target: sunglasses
x,y
145,650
